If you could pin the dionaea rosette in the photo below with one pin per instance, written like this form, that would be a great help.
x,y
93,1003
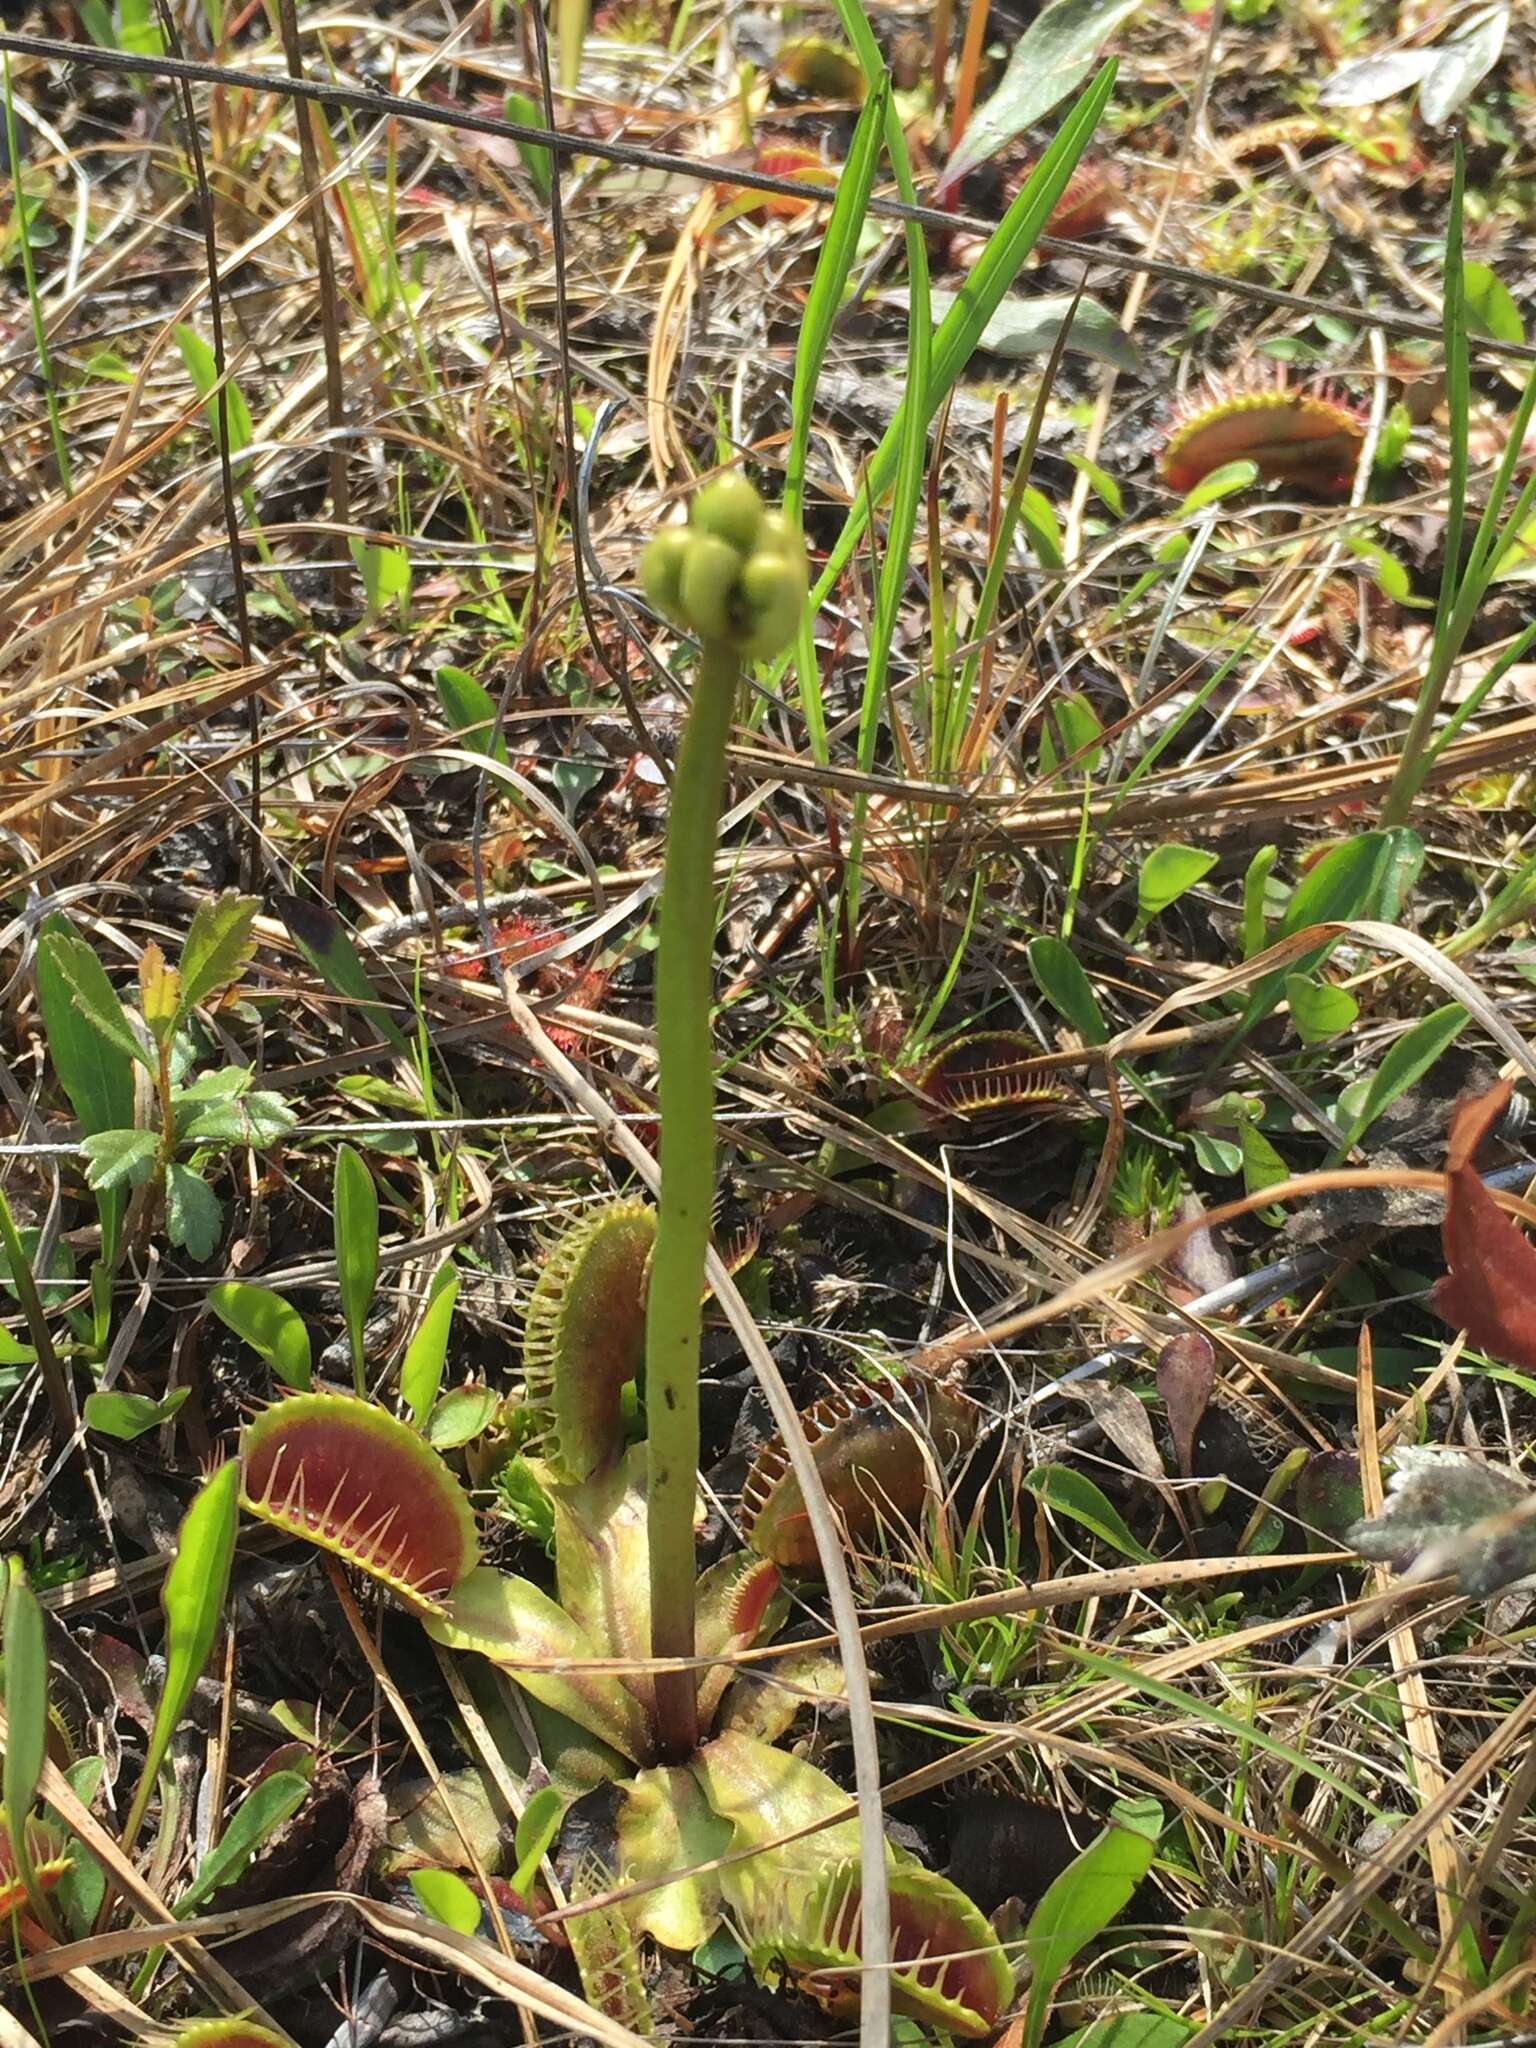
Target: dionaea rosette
x,y
344,1474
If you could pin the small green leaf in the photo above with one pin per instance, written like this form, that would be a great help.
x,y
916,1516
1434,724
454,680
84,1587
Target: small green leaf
x,y
357,1248
270,1802
193,1602
536,1830
271,1326
26,1713
1037,516
194,1215
443,1895
1391,576
1077,1907
460,1416
1219,1156
126,1416
1069,1493
117,1159
1103,483
421,1373
1060,978
470,710
1166,873
1077,728
1405,1062
1262,1164
1319,1009
1490,309
537,161
258,1118
326,944
1255,890
386,573
220,940
202,368
1220,483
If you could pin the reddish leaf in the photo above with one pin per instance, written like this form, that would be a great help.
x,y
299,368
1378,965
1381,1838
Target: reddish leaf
x,y
1186,1373
1490,1291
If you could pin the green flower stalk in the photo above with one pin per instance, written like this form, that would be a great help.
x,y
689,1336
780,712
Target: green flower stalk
x,y
735,576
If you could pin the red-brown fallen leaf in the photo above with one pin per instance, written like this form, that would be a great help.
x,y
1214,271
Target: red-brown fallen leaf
x,y
1490,1291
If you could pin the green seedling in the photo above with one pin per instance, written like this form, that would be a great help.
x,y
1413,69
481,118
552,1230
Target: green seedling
x,y
194,1114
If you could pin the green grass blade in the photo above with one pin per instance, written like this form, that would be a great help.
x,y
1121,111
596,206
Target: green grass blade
x,y
26,1718
834,266
962,327
192,1601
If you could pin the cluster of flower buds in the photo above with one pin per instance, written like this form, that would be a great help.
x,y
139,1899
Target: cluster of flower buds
x,y
735,575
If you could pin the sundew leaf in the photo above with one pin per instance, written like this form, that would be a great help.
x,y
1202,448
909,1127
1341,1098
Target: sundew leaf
x,y
272,1327
1051,59
192,1600
357,1248
1093,1889
1069,1493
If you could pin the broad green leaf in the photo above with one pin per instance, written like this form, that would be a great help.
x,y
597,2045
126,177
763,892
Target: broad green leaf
x,y
421,1372
192,1600
271,1326
1131,2030
1389,572
1087,1897
1319,1009
117,1159
1221,1156
470,711
70,977
1076,728
258,1118
357,1248
1032,327
127,1416
79,1893
1262,1164
194,1215
1069,1493
1221,483
202,368
26,1714
1166,873
325,943
1490,309
220,940
1060,978
263,1810
1051,59
1103,483
665,1825
537,161
443,1895
1405,1062
14,1353
386,573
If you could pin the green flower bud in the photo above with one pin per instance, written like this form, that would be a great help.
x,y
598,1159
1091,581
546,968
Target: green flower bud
x,y
772,589
731,510
661,570
711,571
776,536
